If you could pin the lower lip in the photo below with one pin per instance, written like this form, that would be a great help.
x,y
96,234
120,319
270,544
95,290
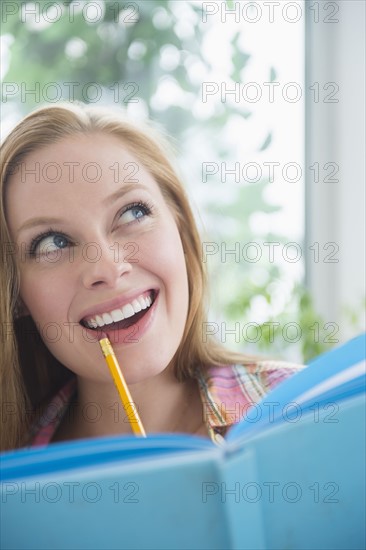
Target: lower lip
x,y
130,335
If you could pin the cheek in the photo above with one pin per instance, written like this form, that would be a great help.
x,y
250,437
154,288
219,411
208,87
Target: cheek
x,y
43,295
174,274
46,297
162,254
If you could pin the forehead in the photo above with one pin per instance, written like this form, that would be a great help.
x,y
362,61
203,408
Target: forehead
x,y
77,169
86,157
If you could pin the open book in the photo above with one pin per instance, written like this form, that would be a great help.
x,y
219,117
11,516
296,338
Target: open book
x,y
291,475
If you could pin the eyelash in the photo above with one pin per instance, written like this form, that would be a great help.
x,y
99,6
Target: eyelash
x,y
146,207
39,238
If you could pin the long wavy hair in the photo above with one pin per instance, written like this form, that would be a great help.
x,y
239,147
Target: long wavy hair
x,y
29,374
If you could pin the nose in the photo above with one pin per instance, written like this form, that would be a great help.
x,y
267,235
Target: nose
x,y
104,265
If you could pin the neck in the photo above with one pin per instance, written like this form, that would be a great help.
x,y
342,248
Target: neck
x,y
163,403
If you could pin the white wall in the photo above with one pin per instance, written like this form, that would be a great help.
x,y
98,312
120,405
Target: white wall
x,y
335,132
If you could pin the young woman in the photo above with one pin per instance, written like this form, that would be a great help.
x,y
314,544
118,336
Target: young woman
x,y
97,235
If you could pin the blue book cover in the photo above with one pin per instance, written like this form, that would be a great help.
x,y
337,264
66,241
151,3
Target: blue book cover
x,y
295,478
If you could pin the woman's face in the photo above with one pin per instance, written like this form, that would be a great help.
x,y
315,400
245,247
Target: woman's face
x,y
99,250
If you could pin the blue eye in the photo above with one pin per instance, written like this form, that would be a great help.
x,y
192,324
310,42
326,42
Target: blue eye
x,y
134,212
47,243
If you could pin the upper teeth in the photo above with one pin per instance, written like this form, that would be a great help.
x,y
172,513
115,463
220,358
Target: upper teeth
x,y
121,313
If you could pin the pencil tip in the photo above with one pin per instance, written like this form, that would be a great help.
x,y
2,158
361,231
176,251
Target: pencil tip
x,y
102,335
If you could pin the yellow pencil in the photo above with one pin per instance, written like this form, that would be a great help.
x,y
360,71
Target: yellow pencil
x,y
121,386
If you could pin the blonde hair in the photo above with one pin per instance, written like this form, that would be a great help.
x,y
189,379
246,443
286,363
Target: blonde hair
x,y
29,374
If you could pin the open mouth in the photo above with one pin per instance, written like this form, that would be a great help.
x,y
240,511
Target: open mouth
x,y
124,317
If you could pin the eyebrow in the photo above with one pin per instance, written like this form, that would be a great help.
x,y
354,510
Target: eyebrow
x,y
123,191
35,222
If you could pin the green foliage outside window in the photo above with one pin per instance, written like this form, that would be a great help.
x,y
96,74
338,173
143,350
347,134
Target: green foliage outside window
x,y
131,50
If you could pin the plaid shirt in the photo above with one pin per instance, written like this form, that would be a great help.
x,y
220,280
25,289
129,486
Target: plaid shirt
x,y
227,393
